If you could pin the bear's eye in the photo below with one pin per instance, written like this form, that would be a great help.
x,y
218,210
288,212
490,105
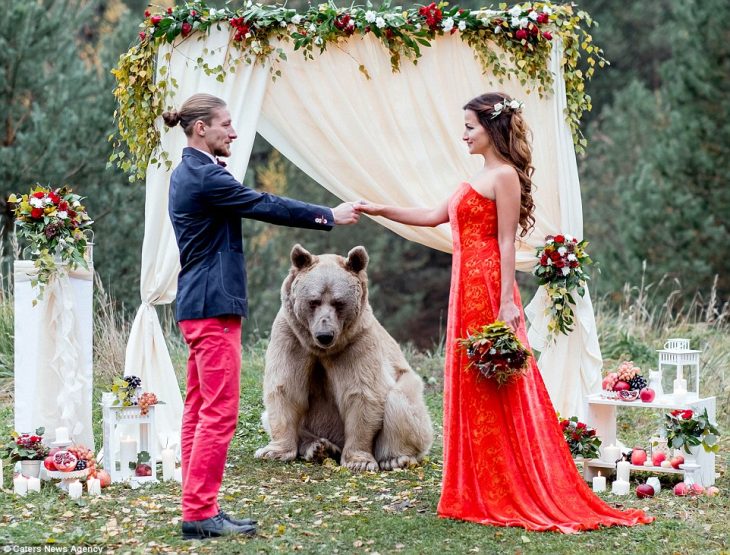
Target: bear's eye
x,y
314,304
338,305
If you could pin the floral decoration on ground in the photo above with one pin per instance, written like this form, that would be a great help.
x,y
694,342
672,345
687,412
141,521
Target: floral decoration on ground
x,y
560,269
581,438
53,222
525,33
496,352
687,428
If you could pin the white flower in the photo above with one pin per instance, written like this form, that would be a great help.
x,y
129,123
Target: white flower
x,y
565,270
448,24
312,28
572,257
515,22
492,351
568,238
497,30
351,23
297,19
370,16
498,107
418,26
515,11
249,4
282,23
532,15
514,104
462,25
549,262
213,11
524,22
36,202
547,10
562,251
76,204
318,41
380,23
62,215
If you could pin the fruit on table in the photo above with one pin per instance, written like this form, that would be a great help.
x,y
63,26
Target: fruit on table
x,y
65,461
658,457
647,395
48,463
143,470
638,456
621,386
676,461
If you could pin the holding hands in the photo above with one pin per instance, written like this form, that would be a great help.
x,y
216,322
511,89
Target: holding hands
x,y
346,213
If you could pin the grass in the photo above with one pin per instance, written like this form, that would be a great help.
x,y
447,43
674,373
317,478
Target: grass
x,y
311,508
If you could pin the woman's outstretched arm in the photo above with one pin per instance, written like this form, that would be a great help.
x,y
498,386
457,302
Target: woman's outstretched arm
x,y
424,217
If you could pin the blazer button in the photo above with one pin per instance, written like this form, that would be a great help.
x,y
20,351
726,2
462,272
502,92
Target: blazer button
x,y
225,330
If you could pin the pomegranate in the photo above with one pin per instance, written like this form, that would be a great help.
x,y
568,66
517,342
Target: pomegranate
x,y
48,463
65,461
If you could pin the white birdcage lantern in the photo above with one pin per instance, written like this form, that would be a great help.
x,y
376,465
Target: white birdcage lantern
x,y
127,432
676,352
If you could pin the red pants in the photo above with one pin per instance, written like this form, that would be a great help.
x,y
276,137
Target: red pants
x,y
211,410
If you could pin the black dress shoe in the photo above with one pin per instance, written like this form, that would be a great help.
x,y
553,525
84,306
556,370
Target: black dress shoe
x,y
213,527
237,521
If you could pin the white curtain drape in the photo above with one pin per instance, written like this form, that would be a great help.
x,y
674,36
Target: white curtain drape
x,y
395,138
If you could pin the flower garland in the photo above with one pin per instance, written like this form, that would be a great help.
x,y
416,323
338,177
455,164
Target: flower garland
x,y
53,222
524,32
560,269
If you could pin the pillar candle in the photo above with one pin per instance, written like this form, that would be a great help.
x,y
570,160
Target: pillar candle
x,y
611,453
599,483
62,435
75,490
177,475
619,487
20,485
34,484
623,469
168,464
93,486
127,455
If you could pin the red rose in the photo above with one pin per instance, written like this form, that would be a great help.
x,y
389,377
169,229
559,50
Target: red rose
x,y
142,35
576,436
169,10
389,33
591,433
341,21
146,13
564,424
193,13
155,19
676,412
581,426
543,18
39,194
687,414
533,29
521,34
559,239
548,35
55,199
63,205
36,213
71,214
186,28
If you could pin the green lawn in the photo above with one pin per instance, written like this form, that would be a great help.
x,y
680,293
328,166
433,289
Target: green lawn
x,y
325,509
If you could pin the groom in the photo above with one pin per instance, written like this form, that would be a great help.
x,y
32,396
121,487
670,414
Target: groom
x,y
206,205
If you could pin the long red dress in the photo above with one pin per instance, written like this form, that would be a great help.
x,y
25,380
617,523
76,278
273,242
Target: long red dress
x,y
505,460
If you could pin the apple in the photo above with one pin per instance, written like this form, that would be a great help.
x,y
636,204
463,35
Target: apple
x,y
658,457
105,479
622,386
666,464
712,491
644,490
681,489
638,456
48,463
647,395
143,470
676,461
697,489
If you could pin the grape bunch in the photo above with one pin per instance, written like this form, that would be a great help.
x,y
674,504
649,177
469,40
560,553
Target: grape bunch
x,y
626,371
133,382
638,382
145,401
85,458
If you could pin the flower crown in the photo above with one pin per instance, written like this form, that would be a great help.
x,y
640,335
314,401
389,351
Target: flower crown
x,y
506,106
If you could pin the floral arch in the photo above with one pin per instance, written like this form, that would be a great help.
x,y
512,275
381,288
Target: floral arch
x,y
368,103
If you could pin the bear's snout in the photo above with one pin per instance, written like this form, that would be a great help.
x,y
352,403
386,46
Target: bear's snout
x,y
325,338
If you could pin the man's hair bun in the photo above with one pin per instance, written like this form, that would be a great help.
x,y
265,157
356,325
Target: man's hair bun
x,y
171,118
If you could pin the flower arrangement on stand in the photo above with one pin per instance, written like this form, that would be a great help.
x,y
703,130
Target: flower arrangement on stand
x,y
581,438
53,222
560,269
496,352
687,429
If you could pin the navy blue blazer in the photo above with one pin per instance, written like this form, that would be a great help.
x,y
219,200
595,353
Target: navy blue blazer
x,y
206,205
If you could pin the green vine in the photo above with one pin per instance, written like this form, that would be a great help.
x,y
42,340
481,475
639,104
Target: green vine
x,y
525,34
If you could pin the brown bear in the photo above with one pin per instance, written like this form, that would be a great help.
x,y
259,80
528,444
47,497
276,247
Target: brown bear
x,y
336,383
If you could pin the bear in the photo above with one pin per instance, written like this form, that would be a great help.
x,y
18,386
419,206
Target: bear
x,y
336,384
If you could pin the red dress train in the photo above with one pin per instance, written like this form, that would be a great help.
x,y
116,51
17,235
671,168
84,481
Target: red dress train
x,y
505,460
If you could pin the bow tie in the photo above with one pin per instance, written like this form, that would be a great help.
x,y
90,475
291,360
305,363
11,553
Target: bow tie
x,y
220,162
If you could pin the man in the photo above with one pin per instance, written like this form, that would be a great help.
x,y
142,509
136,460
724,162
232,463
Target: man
x,y
206,205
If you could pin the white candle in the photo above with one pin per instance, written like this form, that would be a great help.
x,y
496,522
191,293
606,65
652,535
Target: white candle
x,y
20,485
93,486
654,482
599,483
177,475
127,455
108,398
619,487
62,435
34,484
168,464
75,489
611,453
623,469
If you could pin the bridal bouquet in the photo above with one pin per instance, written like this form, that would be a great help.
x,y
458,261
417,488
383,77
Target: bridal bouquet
x,y
560,269
52,221
496,352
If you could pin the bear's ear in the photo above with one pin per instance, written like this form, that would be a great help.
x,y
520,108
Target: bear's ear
x,y
300,257
357,260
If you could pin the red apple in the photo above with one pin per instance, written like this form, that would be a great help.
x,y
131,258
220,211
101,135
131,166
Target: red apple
x,y
647,395
644,490
676,461
622,386
657,458
681,489
105,479
143,470
697,489
712,491
638,456
48,463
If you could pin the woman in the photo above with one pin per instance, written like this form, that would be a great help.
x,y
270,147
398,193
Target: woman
x,y
505,460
